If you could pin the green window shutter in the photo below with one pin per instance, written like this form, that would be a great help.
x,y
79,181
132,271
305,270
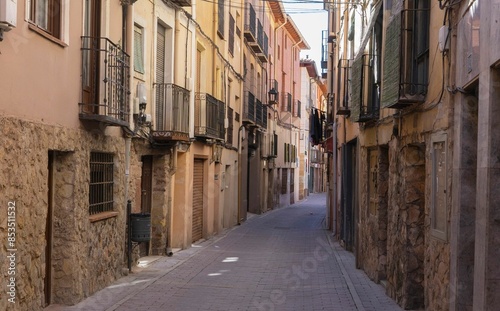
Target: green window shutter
x,y
391,65
355,102
138,49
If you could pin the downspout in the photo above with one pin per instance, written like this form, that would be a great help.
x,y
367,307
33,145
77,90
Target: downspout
x,y
242,127
292,76
194,59
214,54
128,139
334,176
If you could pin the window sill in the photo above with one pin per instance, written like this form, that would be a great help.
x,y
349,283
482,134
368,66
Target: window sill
x,y
102,216
46,35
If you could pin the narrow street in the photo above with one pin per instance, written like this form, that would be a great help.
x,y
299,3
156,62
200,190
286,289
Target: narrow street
x,y
282,260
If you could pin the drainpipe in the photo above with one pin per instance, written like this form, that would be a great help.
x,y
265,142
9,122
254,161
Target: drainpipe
x,y
126,19
239,174
334,177
275,41
193,68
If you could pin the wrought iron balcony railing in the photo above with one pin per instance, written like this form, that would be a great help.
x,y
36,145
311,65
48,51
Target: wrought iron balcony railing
x,y
249,115
259,117
171,113
343,81
297,107
286,104
105,82
316,156
263,56
209,117
370,91
250,23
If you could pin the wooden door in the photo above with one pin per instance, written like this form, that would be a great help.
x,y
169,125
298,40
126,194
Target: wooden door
x,y
197,200
91,57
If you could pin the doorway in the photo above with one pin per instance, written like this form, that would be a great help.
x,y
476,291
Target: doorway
x,y
91,57
146,195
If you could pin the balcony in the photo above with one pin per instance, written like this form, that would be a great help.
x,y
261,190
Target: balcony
x,y
209,117
105,82
249,115
365,90
297,107
171,113
258,45
263,57
286,103
370,91
270,149
406,59
316,156
250,23
343,81
324,54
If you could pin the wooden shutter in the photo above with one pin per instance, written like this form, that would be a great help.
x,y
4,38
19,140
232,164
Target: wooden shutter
x,y
391,71
160,77
138,49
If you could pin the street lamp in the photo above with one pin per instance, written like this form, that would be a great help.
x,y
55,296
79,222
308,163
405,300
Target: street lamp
x,y
273,96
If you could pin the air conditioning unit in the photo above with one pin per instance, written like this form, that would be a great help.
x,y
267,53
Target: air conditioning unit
x,y
8,13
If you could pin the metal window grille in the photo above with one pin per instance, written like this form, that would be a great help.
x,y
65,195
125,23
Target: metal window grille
x,y
101,183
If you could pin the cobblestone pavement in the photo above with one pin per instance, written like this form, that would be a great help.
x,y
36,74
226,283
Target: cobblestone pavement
x,y
281,260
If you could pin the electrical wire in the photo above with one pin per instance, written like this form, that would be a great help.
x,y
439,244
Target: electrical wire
x,y
262,8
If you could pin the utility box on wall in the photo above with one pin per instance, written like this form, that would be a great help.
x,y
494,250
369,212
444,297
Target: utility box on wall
x,y
8,12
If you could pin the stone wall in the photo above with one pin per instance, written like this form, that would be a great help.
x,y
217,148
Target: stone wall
x,y
406,238
86,256
374,218
161,196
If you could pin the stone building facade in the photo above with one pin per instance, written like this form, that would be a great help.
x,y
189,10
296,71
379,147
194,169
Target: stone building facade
x,y
414,170
392,169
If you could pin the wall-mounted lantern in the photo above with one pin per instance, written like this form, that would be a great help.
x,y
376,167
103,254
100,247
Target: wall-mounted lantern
x,y
272,96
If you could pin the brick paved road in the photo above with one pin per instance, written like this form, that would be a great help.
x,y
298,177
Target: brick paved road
x,y
282,260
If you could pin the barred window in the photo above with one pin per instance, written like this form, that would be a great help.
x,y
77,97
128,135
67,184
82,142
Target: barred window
x,y
101,183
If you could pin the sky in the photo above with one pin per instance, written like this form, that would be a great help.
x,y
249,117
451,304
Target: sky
x,y
311,20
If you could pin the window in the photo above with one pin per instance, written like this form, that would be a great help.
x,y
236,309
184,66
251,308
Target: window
x,y
406,59
46,15
101,183
439,211
220,24
366,73
343,83
238,30
138,49
284,180
231,35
